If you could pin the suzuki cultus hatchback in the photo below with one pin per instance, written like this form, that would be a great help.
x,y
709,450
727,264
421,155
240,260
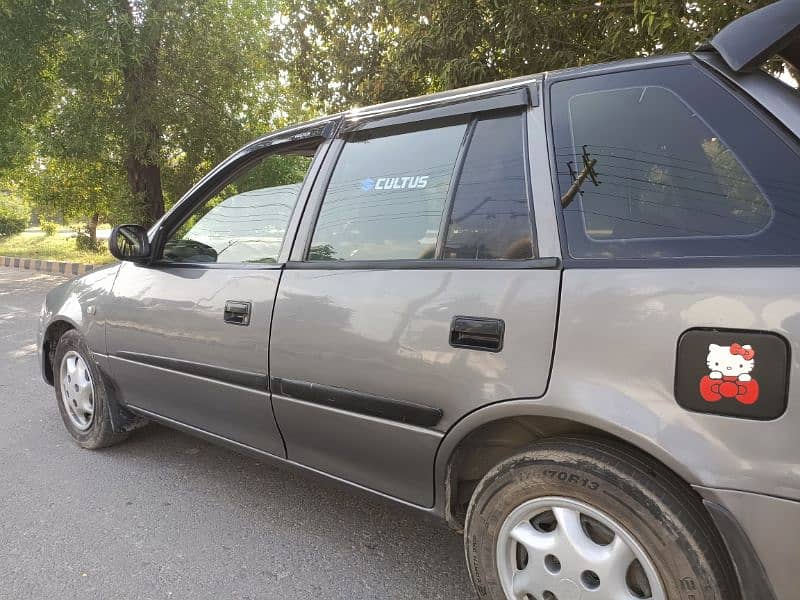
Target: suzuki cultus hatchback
x,y
561,312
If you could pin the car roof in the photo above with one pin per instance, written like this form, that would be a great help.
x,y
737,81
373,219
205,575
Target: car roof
x,y
470,92
492,87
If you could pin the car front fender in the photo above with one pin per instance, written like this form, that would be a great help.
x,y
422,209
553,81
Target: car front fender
x,y
77,304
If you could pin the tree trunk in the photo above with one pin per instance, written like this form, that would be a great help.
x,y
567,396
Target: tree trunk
x,y
145,183
91,228
140,47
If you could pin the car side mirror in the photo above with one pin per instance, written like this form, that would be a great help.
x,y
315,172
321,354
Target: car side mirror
x,y
129,242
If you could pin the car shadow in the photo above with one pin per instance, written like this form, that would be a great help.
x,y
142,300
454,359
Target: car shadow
x,y
353,523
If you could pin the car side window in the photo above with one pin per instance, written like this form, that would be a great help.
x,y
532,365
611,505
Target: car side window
x,y
665,163
387,194
246,221
391,193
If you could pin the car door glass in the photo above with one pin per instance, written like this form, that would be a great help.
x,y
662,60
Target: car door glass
x,y
490,218
246,221
387,195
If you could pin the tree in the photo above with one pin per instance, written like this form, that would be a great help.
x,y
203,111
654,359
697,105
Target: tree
x,y
162,88
14,215
25,25
77,190
370,51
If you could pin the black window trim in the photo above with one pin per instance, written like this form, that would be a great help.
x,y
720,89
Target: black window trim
x,y
238,163
423,119
452,264
458,169
690,262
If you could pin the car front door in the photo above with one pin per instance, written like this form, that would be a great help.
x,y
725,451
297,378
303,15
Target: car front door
x,y
416,294
188,334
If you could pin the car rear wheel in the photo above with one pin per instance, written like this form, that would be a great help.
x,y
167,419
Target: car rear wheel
x,y
81,394
577,518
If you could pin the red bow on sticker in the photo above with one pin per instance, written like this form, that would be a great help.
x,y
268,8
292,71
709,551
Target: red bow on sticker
x,y
746,353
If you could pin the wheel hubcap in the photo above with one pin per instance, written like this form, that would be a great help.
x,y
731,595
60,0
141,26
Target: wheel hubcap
x,y
557,548
77,390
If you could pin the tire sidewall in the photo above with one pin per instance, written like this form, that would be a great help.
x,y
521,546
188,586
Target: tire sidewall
x,y
683,574
101,423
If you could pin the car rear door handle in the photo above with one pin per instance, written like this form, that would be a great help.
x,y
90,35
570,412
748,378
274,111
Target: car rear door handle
x,y
477,333
237,312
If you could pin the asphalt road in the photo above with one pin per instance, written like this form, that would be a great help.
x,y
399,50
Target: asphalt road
x,y
165,515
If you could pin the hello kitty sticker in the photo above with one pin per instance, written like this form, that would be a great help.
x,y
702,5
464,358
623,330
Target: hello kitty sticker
x,y
739,373
729,375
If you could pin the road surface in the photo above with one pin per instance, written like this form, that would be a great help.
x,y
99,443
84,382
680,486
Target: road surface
x,y
165,515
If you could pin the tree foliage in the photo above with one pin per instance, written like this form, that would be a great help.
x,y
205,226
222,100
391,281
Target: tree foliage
x,y
14,215
76,189
374,51
139,98
161,88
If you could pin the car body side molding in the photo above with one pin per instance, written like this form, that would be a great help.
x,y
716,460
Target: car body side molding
x,y
255,381
751,40
358,402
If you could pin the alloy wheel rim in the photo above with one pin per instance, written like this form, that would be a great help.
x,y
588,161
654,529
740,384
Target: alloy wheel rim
x,y
557,548
77,390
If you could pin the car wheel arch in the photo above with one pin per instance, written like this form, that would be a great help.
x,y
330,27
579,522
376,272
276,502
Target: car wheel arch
x,y
55,330
487,436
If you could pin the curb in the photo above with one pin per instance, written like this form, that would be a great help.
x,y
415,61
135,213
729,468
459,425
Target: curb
x,y
46,266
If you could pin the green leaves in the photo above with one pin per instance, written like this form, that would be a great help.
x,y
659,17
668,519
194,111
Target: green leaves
x,y
165,85
14,215
119,106
368,51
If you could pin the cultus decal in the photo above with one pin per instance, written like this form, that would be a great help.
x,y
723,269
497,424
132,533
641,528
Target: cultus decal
x,y
395,183
729,375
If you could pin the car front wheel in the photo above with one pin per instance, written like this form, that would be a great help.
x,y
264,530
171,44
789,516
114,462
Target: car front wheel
x,y
81,394
575,518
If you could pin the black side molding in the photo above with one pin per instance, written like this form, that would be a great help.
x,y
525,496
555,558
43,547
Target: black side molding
x,y
357,402
256,381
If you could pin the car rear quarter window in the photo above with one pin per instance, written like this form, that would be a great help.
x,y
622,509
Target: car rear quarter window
x,y
665,163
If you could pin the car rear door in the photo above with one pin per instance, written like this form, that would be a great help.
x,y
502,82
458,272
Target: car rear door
x,y
187,335
687,244
415,294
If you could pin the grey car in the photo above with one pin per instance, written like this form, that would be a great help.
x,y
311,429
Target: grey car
x,y
560,312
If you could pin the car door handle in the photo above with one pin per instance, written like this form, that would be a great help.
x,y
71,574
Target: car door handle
x,y
237,312
477,333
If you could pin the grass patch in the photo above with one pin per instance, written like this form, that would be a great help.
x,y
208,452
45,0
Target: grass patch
x,y
56,247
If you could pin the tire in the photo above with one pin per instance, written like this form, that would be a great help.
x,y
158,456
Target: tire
x,y
616,492
97,431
